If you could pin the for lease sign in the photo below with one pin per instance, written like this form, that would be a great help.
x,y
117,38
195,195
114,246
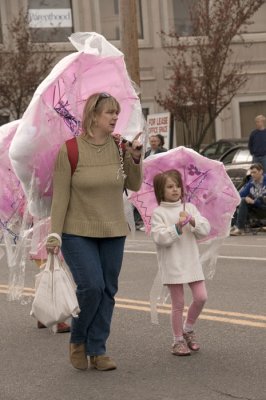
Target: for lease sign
x,y
159,123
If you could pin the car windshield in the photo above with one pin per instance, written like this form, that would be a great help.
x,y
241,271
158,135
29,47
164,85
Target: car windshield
x,y
228,158
237,156
216,149
242,156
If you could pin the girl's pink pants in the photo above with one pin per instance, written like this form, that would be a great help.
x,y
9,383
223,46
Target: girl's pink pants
x,y
199,295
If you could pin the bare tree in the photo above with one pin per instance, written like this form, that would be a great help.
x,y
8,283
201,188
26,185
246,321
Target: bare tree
x,y
206,72
22,67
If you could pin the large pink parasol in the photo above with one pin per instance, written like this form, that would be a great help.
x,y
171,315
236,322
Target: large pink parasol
x,y
206,185
54,114
12,198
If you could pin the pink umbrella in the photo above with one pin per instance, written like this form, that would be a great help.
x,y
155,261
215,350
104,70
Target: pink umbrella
x,y
206,185
12,198
54,114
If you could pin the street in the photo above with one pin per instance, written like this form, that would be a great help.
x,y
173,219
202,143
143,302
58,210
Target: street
x,y
232,331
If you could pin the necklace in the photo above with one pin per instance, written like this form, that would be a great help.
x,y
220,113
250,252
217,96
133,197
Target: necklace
x,y
98,147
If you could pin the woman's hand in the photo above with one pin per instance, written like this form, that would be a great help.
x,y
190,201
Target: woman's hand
x,y
53,243
135,147
52,249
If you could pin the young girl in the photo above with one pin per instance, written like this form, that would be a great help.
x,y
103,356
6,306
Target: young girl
x,y
175,227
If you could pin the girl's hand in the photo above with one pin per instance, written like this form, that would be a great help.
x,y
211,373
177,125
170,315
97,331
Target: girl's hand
x,y
192,222
183,215
185,218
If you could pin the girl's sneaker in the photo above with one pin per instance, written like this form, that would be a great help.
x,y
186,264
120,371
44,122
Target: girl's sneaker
x,y
191,340
180,349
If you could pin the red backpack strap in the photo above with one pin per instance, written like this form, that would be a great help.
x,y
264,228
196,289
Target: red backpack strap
x,y
120,142
73,153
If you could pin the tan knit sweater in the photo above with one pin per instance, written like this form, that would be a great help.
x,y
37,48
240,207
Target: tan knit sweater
x,y
90,203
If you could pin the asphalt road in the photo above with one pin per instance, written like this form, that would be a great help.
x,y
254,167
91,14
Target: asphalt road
x,y
232,330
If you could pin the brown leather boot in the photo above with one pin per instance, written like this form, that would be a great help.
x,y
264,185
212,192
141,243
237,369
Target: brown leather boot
x,y
78,357
102,363
40,325
62,327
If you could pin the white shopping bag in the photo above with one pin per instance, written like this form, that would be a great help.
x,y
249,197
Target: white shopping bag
x,y
55,297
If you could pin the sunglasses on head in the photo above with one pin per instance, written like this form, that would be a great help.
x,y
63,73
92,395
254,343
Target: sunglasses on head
x,y
102,96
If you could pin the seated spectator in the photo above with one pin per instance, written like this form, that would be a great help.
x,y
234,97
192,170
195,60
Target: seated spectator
x,y
253,199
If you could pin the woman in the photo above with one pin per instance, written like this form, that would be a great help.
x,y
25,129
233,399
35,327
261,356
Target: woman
x,y
87,213
162,142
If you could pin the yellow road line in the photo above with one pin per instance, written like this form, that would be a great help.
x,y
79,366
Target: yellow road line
x,y
142,305
205,317
243,258
25,293
5,287
205,310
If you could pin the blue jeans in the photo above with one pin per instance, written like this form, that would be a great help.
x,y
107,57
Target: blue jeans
x,y
244,210
261,160
95,264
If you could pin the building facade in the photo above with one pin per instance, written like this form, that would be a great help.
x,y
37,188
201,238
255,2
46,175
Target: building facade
x,y
54,20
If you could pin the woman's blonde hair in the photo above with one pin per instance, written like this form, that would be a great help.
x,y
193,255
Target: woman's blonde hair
x,y
94,105
159,182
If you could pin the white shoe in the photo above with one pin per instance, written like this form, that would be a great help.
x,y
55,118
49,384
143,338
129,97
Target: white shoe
x,y
237,232
142,229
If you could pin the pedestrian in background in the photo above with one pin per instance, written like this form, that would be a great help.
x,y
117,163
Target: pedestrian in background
x,y
88,217
174,232
155,146
257,142
162,142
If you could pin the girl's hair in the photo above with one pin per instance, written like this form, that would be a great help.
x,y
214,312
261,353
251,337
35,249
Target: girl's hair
x,y
159,182
94,106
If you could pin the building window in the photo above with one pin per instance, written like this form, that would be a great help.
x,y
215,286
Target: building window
x,y
50,20
181,18
109,19
258,21
248,111
177,16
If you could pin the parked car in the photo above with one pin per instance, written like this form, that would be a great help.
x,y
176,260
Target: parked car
x,y
237,161
217,149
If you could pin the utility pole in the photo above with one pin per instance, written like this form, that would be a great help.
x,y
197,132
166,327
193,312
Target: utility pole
x,y
129,37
